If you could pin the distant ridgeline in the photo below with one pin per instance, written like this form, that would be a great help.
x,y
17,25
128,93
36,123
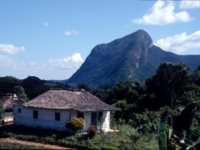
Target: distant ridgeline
x,y
133,57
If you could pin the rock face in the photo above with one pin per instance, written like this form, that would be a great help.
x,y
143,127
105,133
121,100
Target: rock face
x,y
129,58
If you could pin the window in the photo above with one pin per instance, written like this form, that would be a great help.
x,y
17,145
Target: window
x,y
80,115
57,116
35,114
19,110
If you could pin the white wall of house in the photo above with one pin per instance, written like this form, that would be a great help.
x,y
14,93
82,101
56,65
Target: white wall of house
x,y
46,118
106,116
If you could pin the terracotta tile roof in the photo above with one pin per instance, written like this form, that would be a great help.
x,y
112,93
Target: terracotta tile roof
x,y
79,100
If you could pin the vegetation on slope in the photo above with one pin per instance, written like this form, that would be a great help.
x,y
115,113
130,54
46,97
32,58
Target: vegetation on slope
x,y
127,138
171,86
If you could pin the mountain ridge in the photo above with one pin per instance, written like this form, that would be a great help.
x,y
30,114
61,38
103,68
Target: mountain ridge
x,y
132,57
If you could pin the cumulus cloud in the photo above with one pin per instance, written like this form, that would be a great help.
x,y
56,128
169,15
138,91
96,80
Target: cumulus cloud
x,y
46,24
10,49
71,62
71,32
180,43
189,4
163,13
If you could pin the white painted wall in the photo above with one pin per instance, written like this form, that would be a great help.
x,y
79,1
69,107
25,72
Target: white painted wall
x,y
106,124
106,121
46,118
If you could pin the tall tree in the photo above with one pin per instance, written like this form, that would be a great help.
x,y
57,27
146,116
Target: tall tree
x,y
19,90
196,76
168,83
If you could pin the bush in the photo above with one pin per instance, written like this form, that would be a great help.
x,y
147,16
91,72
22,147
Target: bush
x,y
92,131
75,124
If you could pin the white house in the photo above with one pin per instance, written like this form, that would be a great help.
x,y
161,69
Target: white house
x,y
55,107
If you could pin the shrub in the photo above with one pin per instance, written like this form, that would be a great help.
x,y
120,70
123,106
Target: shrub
x,y
49,140
75,124
92,131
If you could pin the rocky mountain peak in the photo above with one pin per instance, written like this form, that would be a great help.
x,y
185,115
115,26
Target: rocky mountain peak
x,y
128,58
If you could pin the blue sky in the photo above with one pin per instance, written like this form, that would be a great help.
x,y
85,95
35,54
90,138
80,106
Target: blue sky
x,y
51,39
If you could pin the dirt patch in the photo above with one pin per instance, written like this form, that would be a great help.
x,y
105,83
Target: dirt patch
x,y
49,146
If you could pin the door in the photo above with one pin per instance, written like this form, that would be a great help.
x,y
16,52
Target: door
x,y
94,118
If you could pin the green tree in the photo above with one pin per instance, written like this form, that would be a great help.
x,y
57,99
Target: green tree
x,y
34,86
84,86
1,112
19,90
167,84
196,76
7,84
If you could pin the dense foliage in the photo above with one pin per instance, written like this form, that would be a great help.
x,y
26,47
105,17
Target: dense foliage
x,y
127,138
1,111
19,90
171,86
27,88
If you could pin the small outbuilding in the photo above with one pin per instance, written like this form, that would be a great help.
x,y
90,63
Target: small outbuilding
x,y
8,102
55,107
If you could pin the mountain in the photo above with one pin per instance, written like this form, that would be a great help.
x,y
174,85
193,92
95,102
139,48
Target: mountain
x,y
132,57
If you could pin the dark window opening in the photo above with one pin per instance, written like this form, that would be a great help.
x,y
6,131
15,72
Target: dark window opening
x,y
19,110
100,116
80,115
57,116
94,118
35,114
8,110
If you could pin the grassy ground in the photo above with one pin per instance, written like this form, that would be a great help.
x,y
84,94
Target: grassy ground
x,y
5,145
126,138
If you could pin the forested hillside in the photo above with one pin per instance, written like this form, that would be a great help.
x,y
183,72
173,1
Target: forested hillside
x,y
171,88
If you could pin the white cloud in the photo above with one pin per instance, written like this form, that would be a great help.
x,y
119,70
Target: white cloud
x,y
180,43
53,69
163,13
46,24
76,57
7,62
72,32
71,62
10,49
31,63
189,4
